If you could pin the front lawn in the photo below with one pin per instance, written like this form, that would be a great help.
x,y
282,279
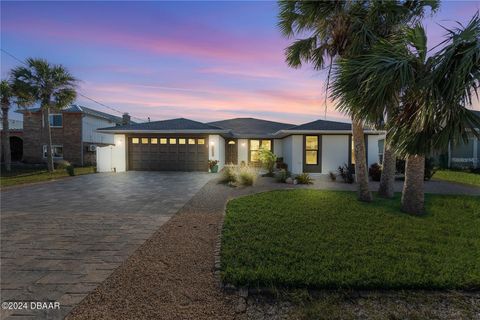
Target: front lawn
x,y
458,176
30,175
328,239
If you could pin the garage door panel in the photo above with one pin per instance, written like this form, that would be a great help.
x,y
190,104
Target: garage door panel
x,y
163,153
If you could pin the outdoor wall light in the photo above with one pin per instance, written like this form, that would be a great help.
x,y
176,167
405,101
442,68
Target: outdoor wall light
x,y
243,144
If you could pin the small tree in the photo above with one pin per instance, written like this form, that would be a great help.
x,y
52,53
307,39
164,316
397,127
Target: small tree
x,y
268,160
50,85
6,96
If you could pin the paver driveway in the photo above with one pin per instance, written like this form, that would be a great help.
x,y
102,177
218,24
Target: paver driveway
x,y
59,240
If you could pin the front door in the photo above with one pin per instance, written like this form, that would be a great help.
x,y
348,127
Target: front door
x,y
231,151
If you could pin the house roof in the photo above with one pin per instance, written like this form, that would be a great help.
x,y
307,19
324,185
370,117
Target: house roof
x,y
251,127
172,125
320,125
81,109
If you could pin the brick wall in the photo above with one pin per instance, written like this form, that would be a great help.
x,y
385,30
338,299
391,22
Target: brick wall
x,y
70,136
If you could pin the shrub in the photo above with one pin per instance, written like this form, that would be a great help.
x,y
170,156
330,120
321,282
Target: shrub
x,y
304,178
375,171
61,164
346,173
282,175
268,160
430,167
212,164
333,176
70,170
229,175
247,176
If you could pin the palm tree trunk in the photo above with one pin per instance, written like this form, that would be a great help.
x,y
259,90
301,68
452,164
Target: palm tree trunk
x,y
361,174
6,139
48,134
413,193
387,181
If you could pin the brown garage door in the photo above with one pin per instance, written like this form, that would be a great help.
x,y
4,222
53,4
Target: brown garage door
x,y
167,153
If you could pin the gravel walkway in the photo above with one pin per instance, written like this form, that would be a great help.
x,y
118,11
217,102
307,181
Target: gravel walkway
x,y
171,275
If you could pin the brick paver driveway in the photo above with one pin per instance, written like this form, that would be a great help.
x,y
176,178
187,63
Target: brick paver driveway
x,y
59,240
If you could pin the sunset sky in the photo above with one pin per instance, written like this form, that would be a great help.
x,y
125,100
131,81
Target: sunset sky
x,y
199,60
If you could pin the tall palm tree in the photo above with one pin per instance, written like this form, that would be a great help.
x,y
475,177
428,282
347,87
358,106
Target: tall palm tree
x,y
52,86
432,93
334,29
6,96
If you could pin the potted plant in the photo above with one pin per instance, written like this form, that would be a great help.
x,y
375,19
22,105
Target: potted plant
x,y
213,166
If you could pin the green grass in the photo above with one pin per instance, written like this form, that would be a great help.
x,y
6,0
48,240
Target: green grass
x,y
458,176
30,175
328,239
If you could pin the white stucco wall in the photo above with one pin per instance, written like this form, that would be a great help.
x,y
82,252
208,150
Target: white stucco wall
x,y
334,152
90,124
242,151
293,153
112,158
278,147
372,147
218,144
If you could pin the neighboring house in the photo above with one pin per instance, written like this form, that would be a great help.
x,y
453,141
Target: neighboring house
x,y
74,135
15,128
186,145
465,155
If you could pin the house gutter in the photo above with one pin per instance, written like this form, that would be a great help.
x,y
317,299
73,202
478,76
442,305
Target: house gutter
x,y
163,131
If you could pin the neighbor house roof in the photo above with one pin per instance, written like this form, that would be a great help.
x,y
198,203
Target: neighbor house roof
x,y
251,127
172,125
81,109
321,125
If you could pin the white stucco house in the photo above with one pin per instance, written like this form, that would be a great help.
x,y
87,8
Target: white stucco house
x,y
185,145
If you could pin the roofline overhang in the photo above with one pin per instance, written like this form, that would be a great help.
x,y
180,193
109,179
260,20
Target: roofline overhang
x,y
283,133
213,131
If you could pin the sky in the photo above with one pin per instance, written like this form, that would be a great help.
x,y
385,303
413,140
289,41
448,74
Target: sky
x,y
203,60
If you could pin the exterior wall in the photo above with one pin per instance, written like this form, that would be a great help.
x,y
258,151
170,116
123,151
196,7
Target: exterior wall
x,y
372,148
334,152
278,147
90,125
112,158
217,143
69,135
242,151
293,153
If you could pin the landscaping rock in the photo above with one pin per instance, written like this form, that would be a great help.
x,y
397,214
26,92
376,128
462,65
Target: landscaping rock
x,y
241,305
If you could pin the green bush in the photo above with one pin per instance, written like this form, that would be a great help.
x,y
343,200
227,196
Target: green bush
x,y
268,160
70,170
304,178
346,173
229,175
247,176
375,171
282,175
333,176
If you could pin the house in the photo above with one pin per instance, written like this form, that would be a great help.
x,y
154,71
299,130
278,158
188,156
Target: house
x,y
185,145
73,131
15,129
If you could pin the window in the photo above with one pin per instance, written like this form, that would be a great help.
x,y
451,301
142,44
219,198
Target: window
x,y
231,142
154,141
191,141
57,151
201,141
182,141
256,145
352,151
163,140
135,140
56,120
173,141
311,150
144,140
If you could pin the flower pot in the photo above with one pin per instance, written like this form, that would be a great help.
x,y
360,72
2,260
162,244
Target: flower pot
x,y
214,169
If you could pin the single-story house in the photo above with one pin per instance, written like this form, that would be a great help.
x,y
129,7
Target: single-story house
x,y
185,145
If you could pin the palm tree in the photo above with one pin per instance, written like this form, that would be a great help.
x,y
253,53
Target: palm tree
x,y
6,96
343,29
52,86
431,93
